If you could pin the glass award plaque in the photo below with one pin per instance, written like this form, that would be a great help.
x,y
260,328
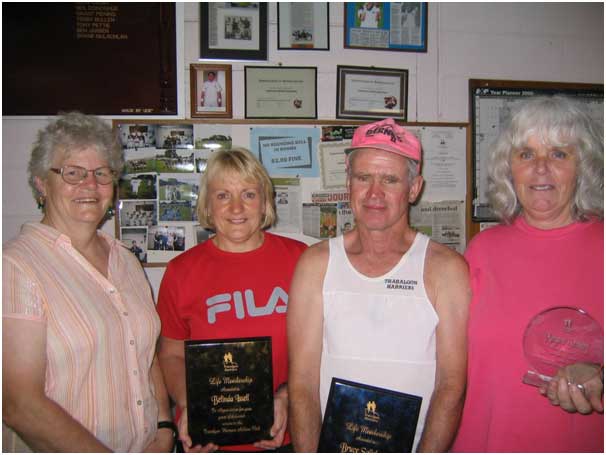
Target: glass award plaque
x,y
558,337
363,418
230,398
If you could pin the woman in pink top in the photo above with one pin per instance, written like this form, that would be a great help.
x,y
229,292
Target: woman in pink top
x,y
546,185
79,370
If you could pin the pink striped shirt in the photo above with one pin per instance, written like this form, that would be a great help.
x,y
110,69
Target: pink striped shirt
x,y
101,333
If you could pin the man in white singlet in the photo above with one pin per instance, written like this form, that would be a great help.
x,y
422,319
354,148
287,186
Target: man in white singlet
x,y
381,305
212,92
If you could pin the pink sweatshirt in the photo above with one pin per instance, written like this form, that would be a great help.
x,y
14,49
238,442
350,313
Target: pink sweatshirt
x,y
518,271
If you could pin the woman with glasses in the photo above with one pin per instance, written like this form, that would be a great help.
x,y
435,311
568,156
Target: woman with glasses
x,y
79,370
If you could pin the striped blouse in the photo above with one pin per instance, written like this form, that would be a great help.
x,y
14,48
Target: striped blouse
x,y
101,333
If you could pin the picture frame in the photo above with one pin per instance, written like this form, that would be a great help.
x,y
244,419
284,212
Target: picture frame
x,y
303,26
285,92
210,90
233,31
385,26
490,103
359,98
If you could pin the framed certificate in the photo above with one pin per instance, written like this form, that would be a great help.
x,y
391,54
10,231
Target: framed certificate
x,y
303,26
280,92
387,26
233,31
371,93
210,87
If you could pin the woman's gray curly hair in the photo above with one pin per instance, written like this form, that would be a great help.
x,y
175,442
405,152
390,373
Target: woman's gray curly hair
x,y
70,133
556,121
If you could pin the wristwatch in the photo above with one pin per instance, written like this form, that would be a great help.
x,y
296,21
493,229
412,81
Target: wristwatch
x,y
170,425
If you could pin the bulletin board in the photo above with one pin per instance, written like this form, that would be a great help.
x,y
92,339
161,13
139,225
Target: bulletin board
x,y
491,102
157,195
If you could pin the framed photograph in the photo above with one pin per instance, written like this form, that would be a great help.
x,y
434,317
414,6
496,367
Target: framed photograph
x,y
371,93
233,31
280,92
386,26
490,105
303,26
210,87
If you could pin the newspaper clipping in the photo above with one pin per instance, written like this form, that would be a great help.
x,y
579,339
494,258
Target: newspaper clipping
x,y
386,25
443,221
288,204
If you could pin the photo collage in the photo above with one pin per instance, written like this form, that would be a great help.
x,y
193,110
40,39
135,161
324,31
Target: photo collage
x,y
158,191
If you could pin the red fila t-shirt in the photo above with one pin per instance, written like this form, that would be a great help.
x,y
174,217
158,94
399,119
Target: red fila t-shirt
x,y
207,293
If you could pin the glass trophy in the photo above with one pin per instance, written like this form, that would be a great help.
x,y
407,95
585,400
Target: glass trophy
x,y
558,337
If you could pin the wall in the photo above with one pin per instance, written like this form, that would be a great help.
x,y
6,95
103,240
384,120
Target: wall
x,y
519,41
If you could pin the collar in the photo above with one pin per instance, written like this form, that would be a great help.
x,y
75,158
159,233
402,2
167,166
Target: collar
x,y
53,237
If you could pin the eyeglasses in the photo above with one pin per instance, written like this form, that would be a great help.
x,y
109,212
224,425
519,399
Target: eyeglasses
x,y
76,174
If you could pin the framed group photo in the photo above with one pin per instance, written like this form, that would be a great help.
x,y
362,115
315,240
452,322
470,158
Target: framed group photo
x,y
288,92
303,26
210,87
372,93
388,26
233,31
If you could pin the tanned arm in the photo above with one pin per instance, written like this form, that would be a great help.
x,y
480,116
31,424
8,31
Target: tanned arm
x,y
163,442
447,283
304,325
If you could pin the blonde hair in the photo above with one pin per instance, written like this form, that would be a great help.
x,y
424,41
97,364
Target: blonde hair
x,y
244,164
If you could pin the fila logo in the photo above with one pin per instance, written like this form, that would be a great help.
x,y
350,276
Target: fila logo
x,y
220,303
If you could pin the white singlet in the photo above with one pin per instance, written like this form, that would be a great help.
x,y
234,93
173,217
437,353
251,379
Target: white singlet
x,y
211,93
379,331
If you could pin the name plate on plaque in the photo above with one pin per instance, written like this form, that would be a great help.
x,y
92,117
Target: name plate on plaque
x,y
363,418
230,398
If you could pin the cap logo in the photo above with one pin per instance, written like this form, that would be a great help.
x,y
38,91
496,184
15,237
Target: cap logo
x,y
386,130
388,136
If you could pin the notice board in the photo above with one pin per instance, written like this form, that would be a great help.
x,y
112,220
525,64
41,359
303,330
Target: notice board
x,y
156,201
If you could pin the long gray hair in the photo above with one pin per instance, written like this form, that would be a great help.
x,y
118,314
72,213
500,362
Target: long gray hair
x,y
556,121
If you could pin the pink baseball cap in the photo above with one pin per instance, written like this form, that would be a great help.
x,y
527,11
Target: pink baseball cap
x,y
389,136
